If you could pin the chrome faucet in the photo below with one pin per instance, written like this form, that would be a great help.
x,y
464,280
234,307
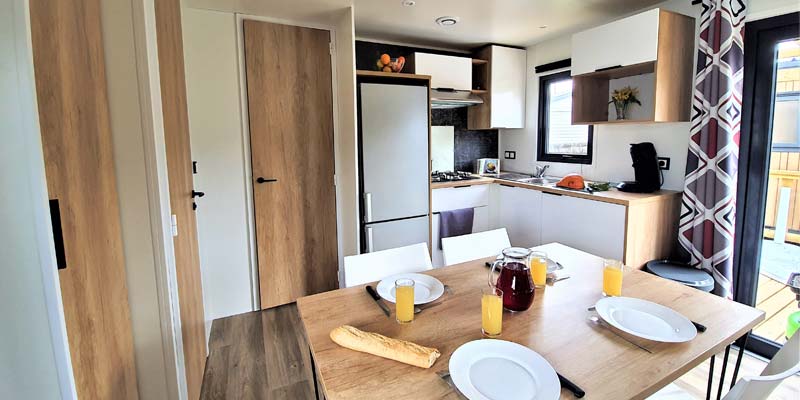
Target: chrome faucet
x,y
540,170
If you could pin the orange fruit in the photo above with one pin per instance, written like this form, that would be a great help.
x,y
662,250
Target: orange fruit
x,y
385,59
387,69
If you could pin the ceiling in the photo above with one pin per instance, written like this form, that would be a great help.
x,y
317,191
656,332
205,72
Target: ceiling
x,y
509,22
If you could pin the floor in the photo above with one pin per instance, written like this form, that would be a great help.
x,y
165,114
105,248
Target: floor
x,y
777,301
277,346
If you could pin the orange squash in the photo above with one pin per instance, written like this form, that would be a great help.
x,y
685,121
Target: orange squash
x,y
572,181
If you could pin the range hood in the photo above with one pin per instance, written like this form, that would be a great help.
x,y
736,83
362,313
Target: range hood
x,y
449,98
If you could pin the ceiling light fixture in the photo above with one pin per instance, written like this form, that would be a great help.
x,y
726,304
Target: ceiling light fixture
x,y
447,21
543,27
408,3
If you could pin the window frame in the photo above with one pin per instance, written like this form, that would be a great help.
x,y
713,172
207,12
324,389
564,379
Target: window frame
x,y
541,143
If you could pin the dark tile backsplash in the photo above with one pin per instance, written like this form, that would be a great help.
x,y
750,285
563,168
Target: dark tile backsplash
x,y
469,145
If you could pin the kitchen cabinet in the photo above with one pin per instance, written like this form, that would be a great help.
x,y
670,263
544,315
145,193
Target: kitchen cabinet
x,y
592,226
519,210
444,199
502,83
446,72
659,63
607,46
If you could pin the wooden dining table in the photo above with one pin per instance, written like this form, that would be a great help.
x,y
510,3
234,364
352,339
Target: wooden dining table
x,y
557,327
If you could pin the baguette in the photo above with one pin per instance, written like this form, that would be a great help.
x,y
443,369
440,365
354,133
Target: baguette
x,y
382,346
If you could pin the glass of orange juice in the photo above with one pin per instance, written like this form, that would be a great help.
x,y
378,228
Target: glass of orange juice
x,y
404,300
612,277
491,311
538,261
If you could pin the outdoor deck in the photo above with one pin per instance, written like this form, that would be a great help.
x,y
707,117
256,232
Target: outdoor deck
x,y
778,301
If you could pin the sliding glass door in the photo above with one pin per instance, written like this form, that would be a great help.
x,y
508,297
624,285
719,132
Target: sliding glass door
x,y
768,206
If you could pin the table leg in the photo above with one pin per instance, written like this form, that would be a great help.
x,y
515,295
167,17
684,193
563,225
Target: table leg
x,y
722,375
314,374
742,343
710,377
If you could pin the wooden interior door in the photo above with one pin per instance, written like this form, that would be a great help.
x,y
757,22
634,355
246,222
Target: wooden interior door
x,y
289,96
181,187
79,167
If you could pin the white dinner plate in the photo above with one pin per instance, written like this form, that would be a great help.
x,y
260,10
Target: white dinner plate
x,y
490,369
646,319
552,265
426,287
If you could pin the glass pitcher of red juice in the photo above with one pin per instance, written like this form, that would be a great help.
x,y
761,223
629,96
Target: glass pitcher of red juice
x,y
515,279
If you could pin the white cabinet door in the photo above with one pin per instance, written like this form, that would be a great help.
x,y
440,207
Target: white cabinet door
x,y
519,211
447,72
454,198
480,223
508,87
613,44
592,226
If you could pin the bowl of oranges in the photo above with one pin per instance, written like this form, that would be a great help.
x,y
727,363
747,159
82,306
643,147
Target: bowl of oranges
x,y
389,64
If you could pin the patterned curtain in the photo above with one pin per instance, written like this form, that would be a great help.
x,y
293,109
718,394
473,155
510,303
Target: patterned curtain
x,y
709,199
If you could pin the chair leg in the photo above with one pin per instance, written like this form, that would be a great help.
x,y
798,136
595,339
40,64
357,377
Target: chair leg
x,y
722,375
742,343
710,377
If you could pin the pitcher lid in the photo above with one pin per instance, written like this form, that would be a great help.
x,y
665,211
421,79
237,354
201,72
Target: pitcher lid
x,y
517,252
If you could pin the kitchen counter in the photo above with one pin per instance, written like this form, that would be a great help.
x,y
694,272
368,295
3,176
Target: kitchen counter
x,y
613,196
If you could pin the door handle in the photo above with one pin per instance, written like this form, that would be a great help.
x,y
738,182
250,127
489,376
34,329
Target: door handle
x,y
197,194
370,247
262,180
367,207
608,68
58,235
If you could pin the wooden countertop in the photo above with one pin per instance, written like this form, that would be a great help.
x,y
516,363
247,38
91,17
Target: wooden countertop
x,y
604,365
611,196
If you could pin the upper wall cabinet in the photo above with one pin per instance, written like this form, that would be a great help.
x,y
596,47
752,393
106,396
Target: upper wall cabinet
x,y
499,79
610,45
446,72
658,63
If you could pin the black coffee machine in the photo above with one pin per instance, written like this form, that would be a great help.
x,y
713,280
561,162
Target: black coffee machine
x,y
645,170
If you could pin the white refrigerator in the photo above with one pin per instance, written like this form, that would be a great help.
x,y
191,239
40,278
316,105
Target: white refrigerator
x,y
394,175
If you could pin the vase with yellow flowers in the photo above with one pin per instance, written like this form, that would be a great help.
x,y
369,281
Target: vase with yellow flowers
x,y
622,98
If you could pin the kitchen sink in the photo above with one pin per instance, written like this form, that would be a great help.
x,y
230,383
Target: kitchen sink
x,y
539,181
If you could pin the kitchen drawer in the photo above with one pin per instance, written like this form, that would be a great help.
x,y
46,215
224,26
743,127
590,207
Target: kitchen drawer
x,y
459,197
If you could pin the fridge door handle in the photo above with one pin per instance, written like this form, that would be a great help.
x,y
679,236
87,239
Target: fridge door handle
x,y
367,207
370,247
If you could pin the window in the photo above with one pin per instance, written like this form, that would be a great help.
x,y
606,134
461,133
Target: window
x,y
559,140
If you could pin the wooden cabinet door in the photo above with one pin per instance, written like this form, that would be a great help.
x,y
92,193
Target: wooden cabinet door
x,y
291,142
76,139
592,226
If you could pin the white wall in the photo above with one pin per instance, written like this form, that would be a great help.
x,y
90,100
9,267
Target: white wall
x,y
611,160
154,379
346,144
34,354
215,123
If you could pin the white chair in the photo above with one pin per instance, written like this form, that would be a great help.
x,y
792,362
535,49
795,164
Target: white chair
x,y
370,267
785,364
470,247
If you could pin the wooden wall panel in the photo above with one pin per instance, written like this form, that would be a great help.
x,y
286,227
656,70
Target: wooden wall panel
x,y
179,165
79,166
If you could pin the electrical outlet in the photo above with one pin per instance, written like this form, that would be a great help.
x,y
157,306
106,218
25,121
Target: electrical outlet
x,y
511,155
663,163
